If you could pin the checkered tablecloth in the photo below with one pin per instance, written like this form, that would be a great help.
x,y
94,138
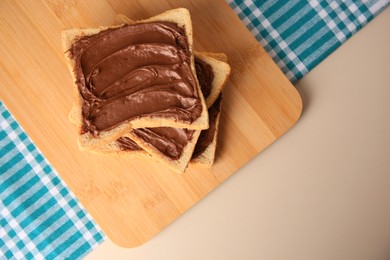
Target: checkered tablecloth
x,y
299,34
40,218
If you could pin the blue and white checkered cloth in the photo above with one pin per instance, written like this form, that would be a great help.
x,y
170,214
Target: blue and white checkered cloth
x,y
299,34
39,217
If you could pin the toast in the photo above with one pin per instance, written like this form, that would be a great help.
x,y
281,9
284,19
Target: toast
x,y
89,140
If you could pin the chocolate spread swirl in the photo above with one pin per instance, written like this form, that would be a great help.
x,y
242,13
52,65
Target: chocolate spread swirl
x,y
205,76
126,143
134,71
168,140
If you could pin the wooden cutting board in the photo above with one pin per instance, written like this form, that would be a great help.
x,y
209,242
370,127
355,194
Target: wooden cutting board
x,y
134,199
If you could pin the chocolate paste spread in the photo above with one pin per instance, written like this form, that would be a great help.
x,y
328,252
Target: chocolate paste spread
x,y
126,144
135,71
168,140
207,136
205,76
171,141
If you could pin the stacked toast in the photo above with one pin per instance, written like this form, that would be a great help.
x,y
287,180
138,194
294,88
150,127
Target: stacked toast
x,y
141,90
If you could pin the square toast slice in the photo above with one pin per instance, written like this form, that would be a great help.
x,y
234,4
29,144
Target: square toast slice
x,y
88,140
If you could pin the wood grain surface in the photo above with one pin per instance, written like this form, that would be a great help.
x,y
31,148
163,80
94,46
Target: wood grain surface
x,y
134,199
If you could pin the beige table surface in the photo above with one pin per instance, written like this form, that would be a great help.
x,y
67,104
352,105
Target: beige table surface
x,y
322,191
